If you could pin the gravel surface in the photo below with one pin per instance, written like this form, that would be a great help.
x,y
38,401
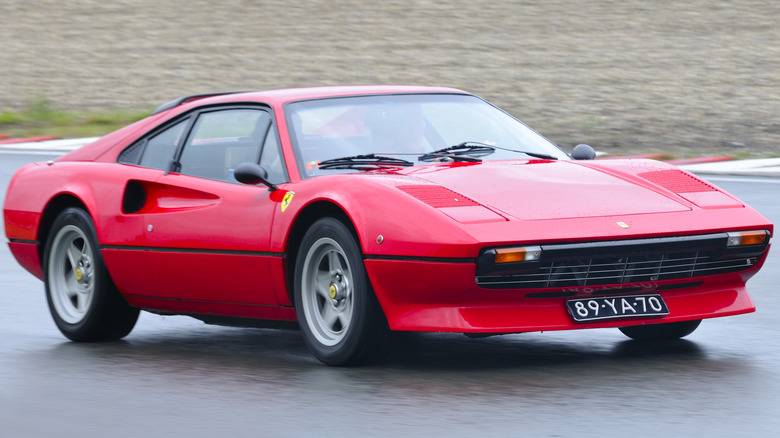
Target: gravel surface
x,y
688,78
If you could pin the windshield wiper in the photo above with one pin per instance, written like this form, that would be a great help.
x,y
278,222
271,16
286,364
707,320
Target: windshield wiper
x,y
471,150
364,162
534,154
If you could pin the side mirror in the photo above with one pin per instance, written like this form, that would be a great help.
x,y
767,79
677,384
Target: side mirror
x,y
583,152
252,174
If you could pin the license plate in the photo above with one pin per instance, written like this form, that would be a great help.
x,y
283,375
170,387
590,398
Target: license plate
x,y
594,309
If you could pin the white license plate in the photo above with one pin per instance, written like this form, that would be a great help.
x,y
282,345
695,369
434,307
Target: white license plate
x,y
594,309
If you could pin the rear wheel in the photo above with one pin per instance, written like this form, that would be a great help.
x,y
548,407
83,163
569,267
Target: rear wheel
x,y
341,320
661,332
85,304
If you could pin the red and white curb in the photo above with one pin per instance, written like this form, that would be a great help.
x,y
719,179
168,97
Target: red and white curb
x,y
769,167
58,145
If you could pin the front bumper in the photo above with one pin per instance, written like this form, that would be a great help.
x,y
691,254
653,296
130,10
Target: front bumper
x,y
420,295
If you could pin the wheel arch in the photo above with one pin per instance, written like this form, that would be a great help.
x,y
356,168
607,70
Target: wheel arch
x,y
303,221
54,207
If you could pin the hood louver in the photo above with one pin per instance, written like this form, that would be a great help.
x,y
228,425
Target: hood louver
x,y
438,196
677,181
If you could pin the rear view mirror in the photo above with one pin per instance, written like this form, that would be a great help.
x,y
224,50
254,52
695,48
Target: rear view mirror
x,y
583,152
252,174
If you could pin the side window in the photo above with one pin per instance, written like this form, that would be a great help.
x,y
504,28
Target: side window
x,y
220,140
160,149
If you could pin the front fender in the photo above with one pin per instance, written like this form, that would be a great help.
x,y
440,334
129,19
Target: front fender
x,y
387,221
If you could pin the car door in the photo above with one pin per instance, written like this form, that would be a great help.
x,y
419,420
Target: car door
x,y
207,236
127,257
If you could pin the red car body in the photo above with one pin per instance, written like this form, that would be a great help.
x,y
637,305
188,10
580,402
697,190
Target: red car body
x,y
227,252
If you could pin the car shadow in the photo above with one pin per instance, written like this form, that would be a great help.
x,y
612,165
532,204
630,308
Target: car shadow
x,y
419,364
268,349
457,352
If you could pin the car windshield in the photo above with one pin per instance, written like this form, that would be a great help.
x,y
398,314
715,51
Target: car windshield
x,y
415,128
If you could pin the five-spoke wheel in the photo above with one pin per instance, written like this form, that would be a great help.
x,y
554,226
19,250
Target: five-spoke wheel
x,y
71,274
337,311
83,300
326,288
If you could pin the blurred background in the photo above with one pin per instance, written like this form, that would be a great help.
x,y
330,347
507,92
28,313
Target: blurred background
x,y
691,78
686,78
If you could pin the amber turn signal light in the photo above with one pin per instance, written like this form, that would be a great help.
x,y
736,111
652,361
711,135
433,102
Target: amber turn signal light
x,y
518,254
742,238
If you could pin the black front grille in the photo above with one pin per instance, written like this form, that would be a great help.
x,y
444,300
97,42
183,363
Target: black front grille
x,y
620,262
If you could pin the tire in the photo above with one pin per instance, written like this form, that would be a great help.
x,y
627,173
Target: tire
x,y
82,298
339,315
660,332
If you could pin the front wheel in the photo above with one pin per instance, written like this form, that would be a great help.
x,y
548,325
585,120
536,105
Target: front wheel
x,y
660,332
82,298
341,320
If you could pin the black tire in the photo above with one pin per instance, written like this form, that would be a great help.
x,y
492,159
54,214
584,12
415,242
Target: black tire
x,y
660,332
338,313
82,298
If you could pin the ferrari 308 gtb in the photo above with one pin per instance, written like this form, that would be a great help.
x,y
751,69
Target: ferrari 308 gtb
x,y
353,212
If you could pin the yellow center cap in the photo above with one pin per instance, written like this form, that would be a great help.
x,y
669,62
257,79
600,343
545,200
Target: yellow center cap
x,y
332,291
79,275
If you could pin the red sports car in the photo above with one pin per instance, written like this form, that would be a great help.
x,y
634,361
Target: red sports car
x,y
352,212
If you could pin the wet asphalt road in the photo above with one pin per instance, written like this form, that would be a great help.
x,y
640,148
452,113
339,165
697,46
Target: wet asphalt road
x,y
174,376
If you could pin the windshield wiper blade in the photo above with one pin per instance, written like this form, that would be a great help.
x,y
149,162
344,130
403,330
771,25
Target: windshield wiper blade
x,y
467,151
470,150
534,154
364,162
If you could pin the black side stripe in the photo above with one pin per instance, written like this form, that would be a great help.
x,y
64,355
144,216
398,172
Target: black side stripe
x,y
421,259
283,255
30,242
195,250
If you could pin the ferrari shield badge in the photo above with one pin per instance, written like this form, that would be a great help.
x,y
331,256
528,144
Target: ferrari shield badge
x,y
287,200
620,224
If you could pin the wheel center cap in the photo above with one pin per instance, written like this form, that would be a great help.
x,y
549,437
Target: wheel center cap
x,y
333,291
79,274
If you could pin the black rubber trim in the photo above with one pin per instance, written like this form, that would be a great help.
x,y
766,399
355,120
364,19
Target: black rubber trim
x,y
679,285
176,102
29,242
420,259
195,250
621,290
565,294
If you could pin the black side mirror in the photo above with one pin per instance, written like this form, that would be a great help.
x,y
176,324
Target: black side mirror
x,y
583,152
252,174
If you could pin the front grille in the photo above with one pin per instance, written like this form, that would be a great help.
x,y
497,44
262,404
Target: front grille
x,y
622,270
621,262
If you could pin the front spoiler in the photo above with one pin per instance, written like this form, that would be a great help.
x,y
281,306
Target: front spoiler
x,y
444,297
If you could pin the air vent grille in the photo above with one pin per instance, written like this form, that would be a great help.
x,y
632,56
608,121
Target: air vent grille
x,y
438,196
677,181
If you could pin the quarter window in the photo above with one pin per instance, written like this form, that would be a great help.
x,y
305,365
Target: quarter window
x,y
157,151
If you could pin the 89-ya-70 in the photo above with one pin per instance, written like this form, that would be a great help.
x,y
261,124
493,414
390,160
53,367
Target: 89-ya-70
x,y
589,309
